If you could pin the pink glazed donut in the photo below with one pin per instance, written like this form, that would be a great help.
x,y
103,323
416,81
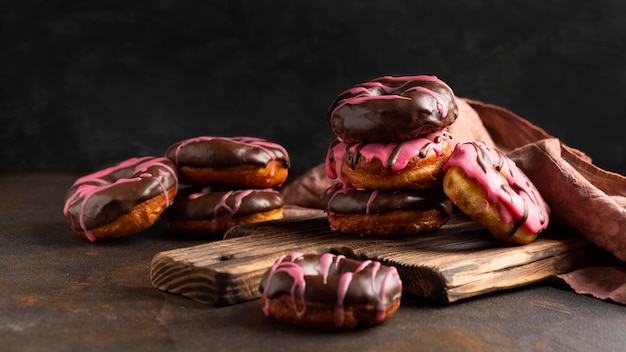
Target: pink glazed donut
x,y
329,292
489,188
392,109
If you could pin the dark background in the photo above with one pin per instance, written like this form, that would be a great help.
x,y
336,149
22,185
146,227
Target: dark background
x,y
84,84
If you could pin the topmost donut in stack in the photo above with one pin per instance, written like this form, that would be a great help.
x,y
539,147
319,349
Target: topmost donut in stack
x,y
392,142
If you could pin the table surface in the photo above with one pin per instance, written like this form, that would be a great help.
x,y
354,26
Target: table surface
x,y
61,292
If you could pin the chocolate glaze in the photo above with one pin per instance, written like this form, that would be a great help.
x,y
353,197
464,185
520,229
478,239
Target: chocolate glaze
x,y
348,200
223,152
197,203
331,279
100,198
392,109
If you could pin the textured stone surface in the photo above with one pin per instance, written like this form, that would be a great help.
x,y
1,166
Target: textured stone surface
x,y
59,292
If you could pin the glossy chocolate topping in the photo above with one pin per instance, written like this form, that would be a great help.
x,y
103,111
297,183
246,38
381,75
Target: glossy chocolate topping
x,y
348,200
504,183
100,198
331,279
223,152
196,203
392,109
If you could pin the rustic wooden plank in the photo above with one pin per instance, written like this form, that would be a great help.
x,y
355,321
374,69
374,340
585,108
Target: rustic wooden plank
x,y
458,261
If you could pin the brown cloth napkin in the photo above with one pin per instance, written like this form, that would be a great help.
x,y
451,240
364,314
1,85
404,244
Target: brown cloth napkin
x,y
581,196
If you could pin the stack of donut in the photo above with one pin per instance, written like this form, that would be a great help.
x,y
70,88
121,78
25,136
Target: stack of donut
x,y
392,142
400,173
225,181
203,185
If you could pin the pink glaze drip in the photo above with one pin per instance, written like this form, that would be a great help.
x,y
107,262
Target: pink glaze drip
x,y
232,211
367,218
395,156
505,184
90,192
296,272
162,176
92,184
326,261
390,275
344,285
334,191
342,291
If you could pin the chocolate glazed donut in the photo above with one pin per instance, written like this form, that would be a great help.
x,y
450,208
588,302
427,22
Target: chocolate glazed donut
x,y
392,109
203,211
121,200
386,213
330,292
244,162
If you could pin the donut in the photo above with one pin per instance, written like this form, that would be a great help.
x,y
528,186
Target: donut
x,y
489,188
121,200
392,109
386,213
242,162
203,211
410,164
329,292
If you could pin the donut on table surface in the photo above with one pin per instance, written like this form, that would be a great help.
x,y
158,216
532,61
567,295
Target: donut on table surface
x,y
203,211
392,109
410,164
243,162
386,213
121,200
487,186
329,292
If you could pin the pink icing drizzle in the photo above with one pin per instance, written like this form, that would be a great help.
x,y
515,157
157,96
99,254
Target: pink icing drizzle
x,y
367,219
90,185
334,191
342,290
390,275
326,261
296,272
505,184
232,211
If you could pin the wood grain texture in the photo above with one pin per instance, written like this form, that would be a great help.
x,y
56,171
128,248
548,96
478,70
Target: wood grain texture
x,y
458,261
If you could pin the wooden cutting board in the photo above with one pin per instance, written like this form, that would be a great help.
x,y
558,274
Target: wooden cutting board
x,y
458,261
